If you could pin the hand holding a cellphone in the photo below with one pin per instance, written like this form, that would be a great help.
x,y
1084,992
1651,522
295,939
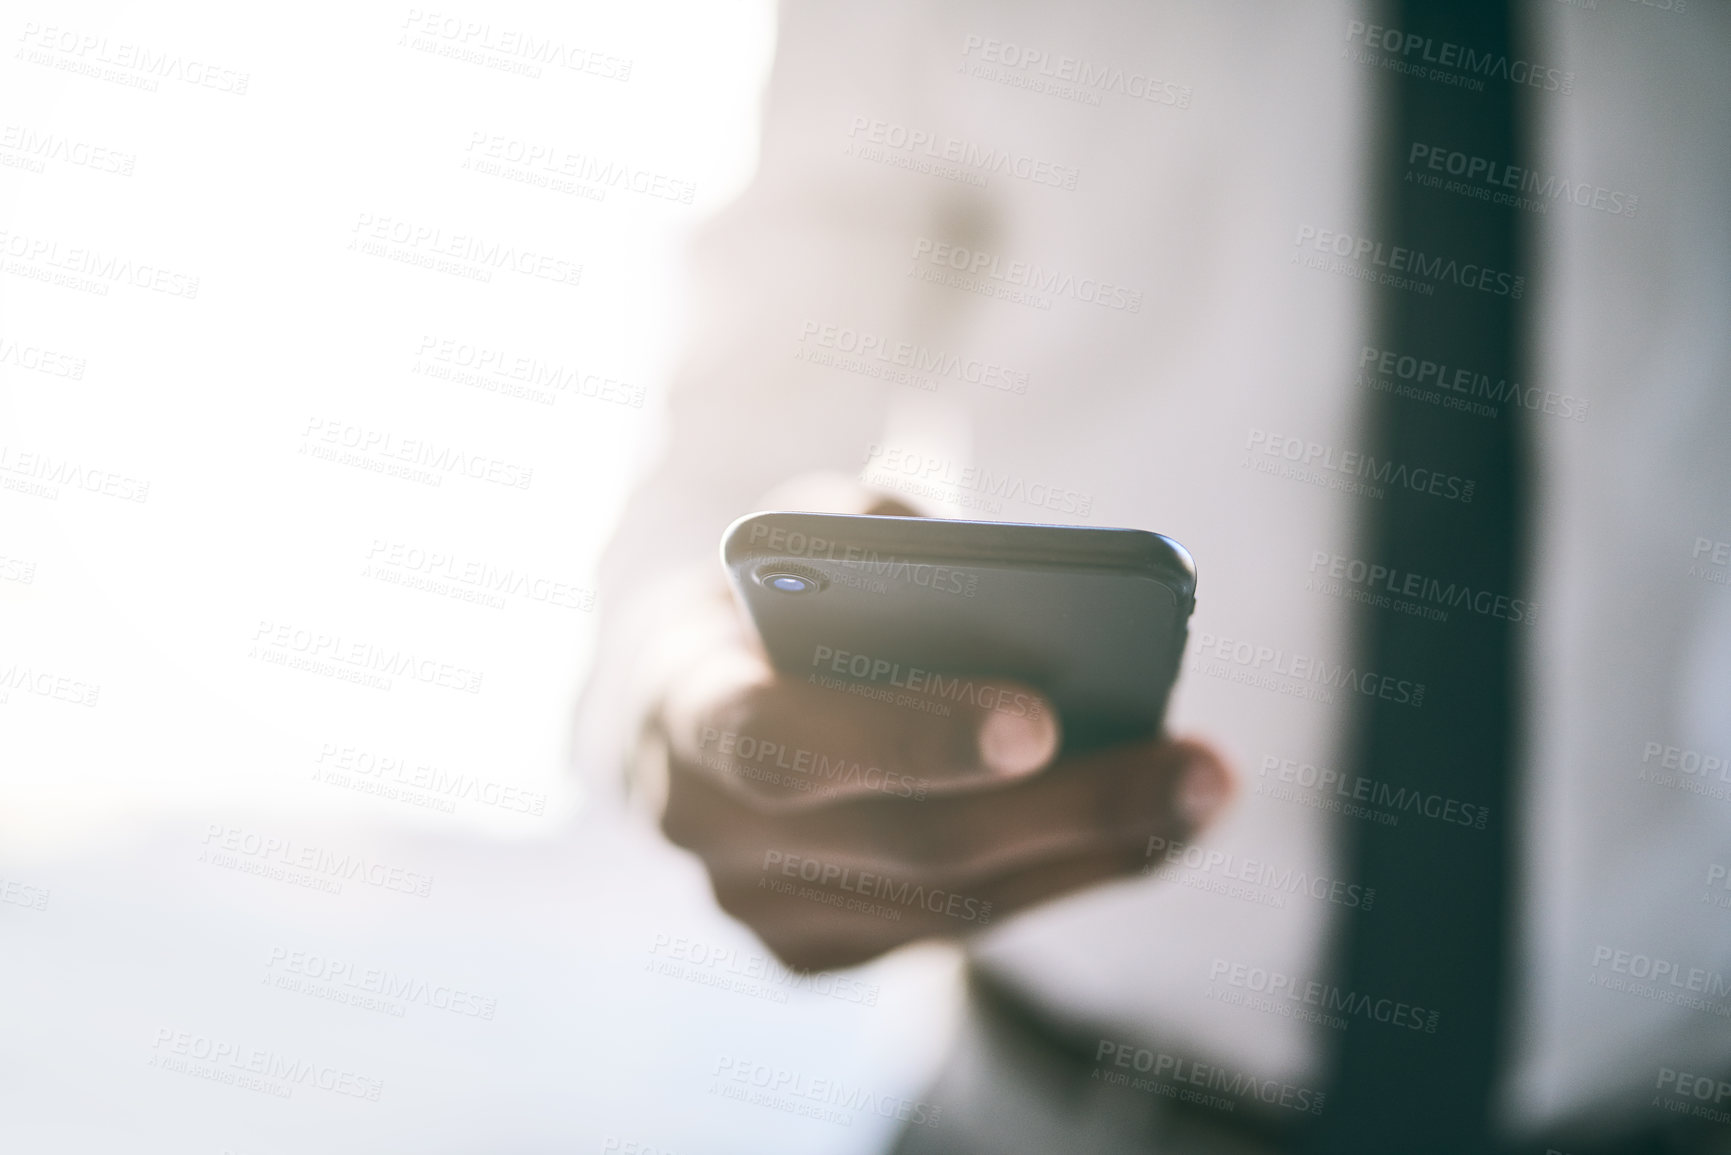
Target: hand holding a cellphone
x,y
908,728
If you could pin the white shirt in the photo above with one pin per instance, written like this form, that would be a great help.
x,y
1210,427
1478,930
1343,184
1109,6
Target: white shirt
x,y
1136,195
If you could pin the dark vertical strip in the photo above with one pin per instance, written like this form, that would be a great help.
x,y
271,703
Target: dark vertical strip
x,y
1437,937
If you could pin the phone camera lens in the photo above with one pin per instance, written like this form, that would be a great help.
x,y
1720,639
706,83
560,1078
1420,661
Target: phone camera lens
x,y
788,583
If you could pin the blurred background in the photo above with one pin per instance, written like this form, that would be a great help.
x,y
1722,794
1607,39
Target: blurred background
x,y
331,340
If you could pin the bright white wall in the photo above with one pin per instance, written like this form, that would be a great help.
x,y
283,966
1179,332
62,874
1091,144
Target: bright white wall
x,y
261,197
133,915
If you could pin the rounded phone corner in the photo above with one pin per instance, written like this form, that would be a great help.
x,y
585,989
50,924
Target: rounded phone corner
x,y
1180,568
735,539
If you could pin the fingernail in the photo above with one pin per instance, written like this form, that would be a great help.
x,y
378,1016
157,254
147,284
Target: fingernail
x,y
1201,791
1014,744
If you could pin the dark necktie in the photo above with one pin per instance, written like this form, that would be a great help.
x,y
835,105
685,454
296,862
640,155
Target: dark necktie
x,y
1437,937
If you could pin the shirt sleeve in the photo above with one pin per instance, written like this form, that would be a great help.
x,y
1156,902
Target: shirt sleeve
x,y
814,250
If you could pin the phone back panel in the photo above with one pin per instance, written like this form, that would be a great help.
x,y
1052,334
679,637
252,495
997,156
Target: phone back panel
x,y
916,611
